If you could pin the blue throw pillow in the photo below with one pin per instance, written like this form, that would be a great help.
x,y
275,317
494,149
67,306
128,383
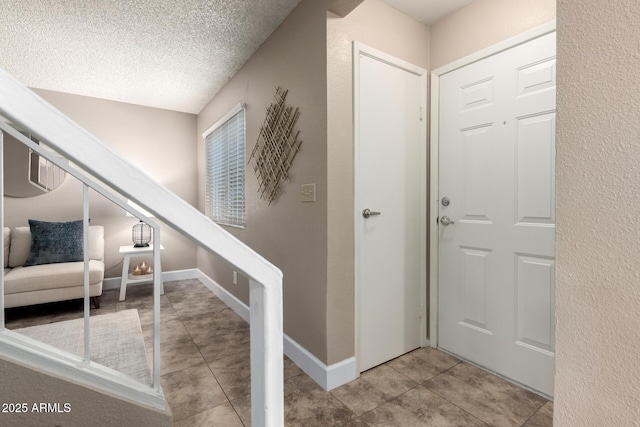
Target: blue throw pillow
x,y
53,242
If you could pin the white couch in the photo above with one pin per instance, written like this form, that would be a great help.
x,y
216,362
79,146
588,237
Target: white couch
x,y
43,283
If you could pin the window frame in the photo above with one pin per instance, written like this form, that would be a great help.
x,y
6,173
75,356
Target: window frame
x,y
240,220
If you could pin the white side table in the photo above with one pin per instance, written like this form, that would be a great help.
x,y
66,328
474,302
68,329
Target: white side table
x,y
130,251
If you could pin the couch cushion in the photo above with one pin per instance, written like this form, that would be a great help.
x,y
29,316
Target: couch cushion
x,y
55,242
96,242
51,276
49,295
20,244
7,244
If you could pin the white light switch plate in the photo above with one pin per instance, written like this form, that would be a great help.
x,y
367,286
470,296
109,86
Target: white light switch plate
x,y
308,193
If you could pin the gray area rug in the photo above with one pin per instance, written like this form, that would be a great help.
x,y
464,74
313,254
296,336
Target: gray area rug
x,y
116,341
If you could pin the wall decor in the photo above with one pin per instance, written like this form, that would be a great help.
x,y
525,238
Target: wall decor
x,y
276,147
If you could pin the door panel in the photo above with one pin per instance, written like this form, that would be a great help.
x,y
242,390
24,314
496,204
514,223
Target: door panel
x,y
534,301
497,165
389,178
535,169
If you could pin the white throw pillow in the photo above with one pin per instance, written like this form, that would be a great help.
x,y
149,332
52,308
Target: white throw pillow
x,y
7,242
20,246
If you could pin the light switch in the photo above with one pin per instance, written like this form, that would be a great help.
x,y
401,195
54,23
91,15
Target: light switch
x,y
308,193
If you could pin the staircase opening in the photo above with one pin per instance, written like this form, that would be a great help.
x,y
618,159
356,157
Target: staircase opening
x,y
69,147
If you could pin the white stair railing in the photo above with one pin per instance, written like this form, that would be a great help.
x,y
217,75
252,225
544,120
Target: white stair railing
x,y
108,193
113,176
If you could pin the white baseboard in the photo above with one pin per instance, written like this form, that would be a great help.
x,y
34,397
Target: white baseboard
x,y
328,377
227,297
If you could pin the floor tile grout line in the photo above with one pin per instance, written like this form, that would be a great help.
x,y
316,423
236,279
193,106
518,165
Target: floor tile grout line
x,y
351,420
486,422
236,411
462,409
388,401
426,363
208,367
432,391
199,352
341,402
454,404
533,415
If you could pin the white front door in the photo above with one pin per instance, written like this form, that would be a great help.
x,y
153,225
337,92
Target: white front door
x,y
390,181
497,195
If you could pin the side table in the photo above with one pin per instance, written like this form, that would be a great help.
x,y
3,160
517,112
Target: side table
x,y
130,251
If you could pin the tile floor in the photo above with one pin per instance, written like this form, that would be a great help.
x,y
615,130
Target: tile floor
x,y
205,373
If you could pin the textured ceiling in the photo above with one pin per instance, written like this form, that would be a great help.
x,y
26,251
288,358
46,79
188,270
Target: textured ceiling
x,y
173,54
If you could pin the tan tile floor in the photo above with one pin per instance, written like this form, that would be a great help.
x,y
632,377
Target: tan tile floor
x,y
205,373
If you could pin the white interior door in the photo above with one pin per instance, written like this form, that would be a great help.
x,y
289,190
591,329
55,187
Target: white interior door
x,y
496,171
390,179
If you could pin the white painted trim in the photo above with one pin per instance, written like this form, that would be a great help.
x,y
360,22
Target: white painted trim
x,y
509,43
433,211
2,227
31,353
328,377
85,256
534,33
340,373
362,49
158,289
235,110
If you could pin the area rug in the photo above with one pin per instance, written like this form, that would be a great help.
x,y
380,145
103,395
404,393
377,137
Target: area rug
x,y
116,341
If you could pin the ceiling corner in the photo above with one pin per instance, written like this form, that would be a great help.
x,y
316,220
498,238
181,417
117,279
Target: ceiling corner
x,y
344,7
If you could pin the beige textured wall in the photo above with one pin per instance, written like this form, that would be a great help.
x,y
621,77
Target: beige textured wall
x,y
379,26
483,23
598,187
161,142
289,233
19,384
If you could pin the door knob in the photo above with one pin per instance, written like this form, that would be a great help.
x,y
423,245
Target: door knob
x,y
445,220
367,213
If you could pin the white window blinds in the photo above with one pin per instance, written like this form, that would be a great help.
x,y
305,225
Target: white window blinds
x,y
225,151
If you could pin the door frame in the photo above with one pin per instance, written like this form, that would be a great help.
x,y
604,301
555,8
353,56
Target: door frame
x,y
434,159
362,49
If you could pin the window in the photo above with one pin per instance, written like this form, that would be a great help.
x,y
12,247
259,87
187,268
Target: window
x,y
225,154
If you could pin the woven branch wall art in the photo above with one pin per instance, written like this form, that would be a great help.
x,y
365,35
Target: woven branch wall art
x,y
276,147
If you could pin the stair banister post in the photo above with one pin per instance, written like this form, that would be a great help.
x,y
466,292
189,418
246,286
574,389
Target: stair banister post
x,y
85,256
2,226
157,287
267,388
